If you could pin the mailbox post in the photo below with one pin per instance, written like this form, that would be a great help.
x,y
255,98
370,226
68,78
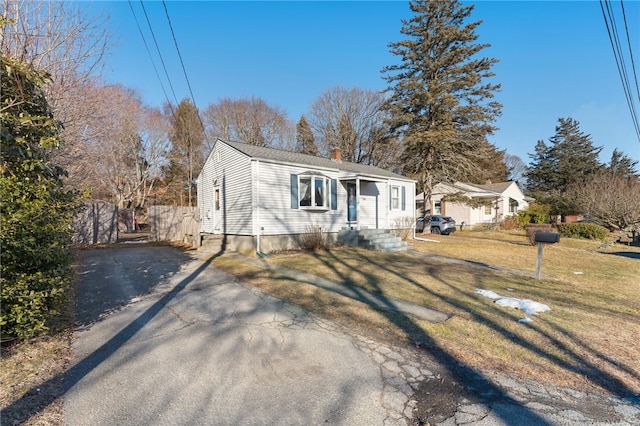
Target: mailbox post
x,y
543,238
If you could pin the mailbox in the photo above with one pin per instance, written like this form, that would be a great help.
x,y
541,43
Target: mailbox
x,y
547,237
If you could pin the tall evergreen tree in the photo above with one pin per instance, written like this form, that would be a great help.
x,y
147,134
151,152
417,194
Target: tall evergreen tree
x,y
570,158
186,155
490,167
623,166
305,141
441,105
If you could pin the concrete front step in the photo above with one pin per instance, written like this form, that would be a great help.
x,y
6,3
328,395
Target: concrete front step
x,y
376,239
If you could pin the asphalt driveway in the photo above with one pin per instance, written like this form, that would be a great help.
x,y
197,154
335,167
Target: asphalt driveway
x,y
166,338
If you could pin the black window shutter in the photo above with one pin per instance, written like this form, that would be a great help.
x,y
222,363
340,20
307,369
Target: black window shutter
x,y
294,191
404,199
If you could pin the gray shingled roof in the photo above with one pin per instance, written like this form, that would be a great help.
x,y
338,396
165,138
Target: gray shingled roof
x,y
498,187
271,154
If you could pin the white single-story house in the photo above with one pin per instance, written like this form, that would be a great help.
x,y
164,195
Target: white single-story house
x,y
491,202
261,198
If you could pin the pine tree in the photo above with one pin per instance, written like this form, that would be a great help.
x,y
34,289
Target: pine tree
x,y
570,158
491,166
623,166
440,105
187,140
305,140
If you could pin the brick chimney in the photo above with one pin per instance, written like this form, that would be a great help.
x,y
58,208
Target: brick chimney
x,y
488,182
336,154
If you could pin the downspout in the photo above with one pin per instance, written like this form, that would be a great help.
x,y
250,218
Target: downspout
x,y
257,215
358,218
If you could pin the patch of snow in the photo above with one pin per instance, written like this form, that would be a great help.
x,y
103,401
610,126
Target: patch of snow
x,y
527,306
525,320
488,293
578,273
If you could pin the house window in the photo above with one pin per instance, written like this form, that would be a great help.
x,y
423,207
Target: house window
x,y
313,192
217,199
437,207
513,206
487,209
395,197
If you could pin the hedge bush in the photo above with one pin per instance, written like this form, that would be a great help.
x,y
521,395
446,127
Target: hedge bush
x,y
535,213
36,210
532,228
589,231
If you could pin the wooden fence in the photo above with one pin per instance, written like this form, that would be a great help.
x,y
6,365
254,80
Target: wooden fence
x,y
169,223
96,224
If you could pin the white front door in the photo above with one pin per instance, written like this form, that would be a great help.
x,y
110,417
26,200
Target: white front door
x,y
217,211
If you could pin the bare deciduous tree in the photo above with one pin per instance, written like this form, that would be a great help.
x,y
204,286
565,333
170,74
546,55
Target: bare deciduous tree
x,y
609,198
251,121
68,43
124,147
516,168
352,119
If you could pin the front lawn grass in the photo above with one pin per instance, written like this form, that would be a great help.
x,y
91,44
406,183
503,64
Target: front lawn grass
x,y
590,339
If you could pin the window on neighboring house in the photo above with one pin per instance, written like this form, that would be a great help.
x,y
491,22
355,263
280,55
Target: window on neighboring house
x,y
313,192
437,207
513,206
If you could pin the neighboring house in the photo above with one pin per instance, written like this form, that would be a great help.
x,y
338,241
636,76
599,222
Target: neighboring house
x,y
262,199
496,201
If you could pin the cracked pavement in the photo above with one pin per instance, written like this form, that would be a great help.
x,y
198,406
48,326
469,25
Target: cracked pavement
x,y
165,338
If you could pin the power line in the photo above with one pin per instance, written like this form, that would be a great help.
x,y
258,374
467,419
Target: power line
x,y
184,70
633,64
175,42
159,53
612,31
146,46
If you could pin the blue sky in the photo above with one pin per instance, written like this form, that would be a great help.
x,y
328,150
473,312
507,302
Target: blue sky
x,y
555,58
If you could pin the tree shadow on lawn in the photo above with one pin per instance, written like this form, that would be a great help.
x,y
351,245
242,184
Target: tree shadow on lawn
x,y
464,374
460,378
627,254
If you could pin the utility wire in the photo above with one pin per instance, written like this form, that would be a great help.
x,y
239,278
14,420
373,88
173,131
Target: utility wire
x,y
175,42
617,52
159,53
622,68
633,64
146,46
184,70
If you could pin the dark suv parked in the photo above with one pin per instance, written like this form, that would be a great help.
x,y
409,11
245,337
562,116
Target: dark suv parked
x,y
439,224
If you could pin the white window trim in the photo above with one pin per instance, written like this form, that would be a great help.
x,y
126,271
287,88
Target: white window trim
x,y
397,205
326,188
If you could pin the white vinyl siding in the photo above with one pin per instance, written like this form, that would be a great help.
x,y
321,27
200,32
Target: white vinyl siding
x,y
230,176
255,197
276,215
406,208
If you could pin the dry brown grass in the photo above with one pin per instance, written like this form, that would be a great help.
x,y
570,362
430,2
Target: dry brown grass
x,y
589,339
31,372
